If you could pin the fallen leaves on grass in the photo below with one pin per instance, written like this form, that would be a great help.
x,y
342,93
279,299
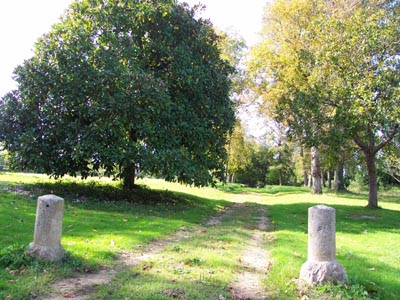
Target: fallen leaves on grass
x,y
32,294
17,272
297,255
147,267
174,293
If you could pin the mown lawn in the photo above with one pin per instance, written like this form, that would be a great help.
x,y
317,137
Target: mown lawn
x,y
100,221
368,241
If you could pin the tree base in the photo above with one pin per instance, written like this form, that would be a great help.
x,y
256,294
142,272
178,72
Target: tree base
x,y
47,254
373,207
322,272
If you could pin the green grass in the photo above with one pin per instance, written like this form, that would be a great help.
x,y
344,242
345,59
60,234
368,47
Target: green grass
x,y
367,248
101,220
236,188
202,266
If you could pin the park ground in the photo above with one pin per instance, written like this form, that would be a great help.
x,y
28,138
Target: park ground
x,y
168,241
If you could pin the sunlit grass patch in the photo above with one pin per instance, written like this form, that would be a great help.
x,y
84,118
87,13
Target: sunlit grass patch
x,y
367,243
100,220
200,267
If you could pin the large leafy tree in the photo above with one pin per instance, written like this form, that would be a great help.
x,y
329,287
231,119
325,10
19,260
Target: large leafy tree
x,y
281,66
330,70
359,59
123,86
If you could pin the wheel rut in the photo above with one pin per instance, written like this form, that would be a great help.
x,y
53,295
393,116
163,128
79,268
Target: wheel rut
x,y
254,263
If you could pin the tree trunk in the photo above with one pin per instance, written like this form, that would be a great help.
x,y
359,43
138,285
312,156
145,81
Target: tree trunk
x,y
231,178
129,171
128,176
280,176
329,179
372,179
316,171
370,150
305,172
339,178
305,176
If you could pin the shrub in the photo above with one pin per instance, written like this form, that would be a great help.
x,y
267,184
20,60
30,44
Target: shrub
x,y
15,257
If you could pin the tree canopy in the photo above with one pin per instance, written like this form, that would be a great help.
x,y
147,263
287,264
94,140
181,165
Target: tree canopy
x,y
123,87
330,71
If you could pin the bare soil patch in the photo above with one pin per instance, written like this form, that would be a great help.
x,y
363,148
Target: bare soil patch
x,y
83,284
229,212
255,263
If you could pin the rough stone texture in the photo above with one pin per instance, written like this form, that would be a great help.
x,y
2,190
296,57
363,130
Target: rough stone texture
x,y
321,233
321,266
46,243
314,272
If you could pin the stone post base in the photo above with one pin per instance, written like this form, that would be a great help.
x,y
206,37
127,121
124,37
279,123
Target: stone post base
x,y
48,254
322,272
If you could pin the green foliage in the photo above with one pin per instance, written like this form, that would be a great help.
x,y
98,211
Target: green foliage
x,y
254,173
239,150
3,159
389,164
120,86
331,73
233,49
14,257
283,151
349,291
258,165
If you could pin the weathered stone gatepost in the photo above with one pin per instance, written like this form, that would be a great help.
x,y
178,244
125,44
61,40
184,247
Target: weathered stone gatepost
x,y
321,266
46,243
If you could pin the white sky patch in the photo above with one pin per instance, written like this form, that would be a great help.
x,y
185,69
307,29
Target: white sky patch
x,y
243,17
22,22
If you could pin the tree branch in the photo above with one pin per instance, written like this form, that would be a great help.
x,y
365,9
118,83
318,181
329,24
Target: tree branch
x,y
389,138
359,142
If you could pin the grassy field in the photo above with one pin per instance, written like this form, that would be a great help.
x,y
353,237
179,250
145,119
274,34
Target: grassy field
x,y
100,221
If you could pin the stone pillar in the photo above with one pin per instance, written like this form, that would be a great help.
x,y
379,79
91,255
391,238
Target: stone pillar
x,y
321,265
46,243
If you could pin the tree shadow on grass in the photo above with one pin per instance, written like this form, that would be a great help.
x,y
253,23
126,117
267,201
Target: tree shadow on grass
x,y
361,269
349,219
235,188
113,199
136,284
352,223
383,196
103,217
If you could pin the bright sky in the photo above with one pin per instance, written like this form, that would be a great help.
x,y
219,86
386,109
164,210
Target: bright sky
x,y
22,22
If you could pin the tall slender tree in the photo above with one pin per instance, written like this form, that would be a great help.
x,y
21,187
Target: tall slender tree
x,y
281,66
